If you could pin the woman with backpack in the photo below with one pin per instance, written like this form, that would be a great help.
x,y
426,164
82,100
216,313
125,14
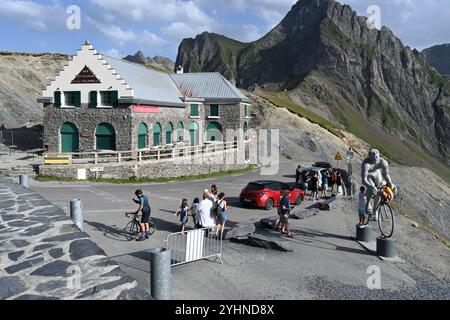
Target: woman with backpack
x,y
220,211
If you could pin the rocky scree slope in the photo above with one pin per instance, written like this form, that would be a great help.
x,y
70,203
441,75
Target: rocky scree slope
x,y
23,76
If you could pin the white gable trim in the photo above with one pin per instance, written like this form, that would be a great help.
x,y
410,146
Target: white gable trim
x,y
108,76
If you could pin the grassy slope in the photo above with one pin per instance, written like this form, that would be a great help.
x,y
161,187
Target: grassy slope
x,y
400,151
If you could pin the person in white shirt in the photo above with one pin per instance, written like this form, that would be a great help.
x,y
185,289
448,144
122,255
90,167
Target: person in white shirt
x,y
206,216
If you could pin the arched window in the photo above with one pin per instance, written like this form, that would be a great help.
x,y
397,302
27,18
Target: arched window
x,y
193,133
105,137
69,138
169,130
245,131
142,136
157,134
180,132
214,132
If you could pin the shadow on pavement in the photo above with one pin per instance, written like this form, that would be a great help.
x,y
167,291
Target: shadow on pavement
x,y
111,232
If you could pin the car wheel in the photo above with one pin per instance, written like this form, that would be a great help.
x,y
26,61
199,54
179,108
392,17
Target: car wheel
x,y
269,204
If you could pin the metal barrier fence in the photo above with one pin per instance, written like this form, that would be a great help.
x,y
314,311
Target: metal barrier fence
x,y
194,245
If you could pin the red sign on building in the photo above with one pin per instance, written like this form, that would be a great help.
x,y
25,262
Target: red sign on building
x,y
145,109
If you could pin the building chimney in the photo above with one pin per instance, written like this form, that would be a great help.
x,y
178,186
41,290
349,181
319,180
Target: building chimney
x,y
180,70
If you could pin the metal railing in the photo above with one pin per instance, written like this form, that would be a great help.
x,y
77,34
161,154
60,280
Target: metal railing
x,y
154,154
194,245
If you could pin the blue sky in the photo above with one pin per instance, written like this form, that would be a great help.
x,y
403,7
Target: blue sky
x,y
156,27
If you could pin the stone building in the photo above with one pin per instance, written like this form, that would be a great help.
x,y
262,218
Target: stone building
x,y
100,103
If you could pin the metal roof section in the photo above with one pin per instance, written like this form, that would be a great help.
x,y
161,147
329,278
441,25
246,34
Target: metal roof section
x,y
213,87
148,85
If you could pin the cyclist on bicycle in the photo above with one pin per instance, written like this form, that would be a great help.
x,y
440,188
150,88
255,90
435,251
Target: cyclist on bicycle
x,y
144,207
374,171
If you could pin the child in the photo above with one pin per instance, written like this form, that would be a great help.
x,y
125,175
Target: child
x,y
182,211
194,211
362,205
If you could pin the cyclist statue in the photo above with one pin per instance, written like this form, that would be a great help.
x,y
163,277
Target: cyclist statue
x,y
374,175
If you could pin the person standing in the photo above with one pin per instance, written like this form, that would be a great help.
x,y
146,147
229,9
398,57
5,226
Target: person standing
x,y
304,177
182,212
194,211
362,205
222,207
144,207
339,182
325,178
214,191
314,185
333,178
285,210
298,173
206,216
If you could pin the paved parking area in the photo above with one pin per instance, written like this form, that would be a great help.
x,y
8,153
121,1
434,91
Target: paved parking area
x,y
323,247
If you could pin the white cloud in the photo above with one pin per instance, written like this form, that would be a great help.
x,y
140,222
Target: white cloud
x,y
145,39
114,53
39,17
176,31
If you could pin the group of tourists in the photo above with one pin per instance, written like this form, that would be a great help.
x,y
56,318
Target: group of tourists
x,y
330,181
209,212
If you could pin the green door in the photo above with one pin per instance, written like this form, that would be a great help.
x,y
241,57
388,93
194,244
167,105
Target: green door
x,y
214,132
142,136
193,132
69,138
169,130
106,137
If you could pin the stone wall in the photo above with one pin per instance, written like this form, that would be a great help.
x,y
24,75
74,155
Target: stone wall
x,y
85,118
44,256
126,123
150,169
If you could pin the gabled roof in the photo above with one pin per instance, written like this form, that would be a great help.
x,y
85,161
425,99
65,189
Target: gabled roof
x,y
148,85
212,87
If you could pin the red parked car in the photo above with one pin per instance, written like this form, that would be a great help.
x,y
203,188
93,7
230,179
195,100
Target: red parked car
x,y
267,194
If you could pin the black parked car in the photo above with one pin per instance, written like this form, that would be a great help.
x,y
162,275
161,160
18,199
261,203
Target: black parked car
x,y
325,165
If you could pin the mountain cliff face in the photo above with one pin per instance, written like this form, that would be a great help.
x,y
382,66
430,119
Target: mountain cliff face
x,y
324,57
439,58
158,62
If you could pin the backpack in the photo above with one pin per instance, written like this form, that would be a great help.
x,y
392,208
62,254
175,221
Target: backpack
x,y
217,210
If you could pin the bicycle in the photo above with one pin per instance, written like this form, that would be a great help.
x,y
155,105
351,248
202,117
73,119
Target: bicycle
x,y
133,228
386,218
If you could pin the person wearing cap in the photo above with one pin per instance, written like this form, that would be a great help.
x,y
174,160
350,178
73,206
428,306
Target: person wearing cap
x,y
144,207
206,215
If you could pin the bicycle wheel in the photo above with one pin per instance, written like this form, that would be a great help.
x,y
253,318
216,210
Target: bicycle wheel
x,y
132,229
386,220
152,227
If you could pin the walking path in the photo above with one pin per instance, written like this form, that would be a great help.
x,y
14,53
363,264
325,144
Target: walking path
x,y
43,255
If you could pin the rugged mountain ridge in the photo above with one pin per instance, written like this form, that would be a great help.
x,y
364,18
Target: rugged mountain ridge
x,y
329,61
439,58
158,62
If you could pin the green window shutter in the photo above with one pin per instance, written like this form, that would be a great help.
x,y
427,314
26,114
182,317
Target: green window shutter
x,y
194,110
93,99
57,96
114,98
169,130
214,110
77,97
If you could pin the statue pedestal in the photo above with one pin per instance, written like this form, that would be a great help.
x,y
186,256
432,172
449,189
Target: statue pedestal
x,y
386,248
364,233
